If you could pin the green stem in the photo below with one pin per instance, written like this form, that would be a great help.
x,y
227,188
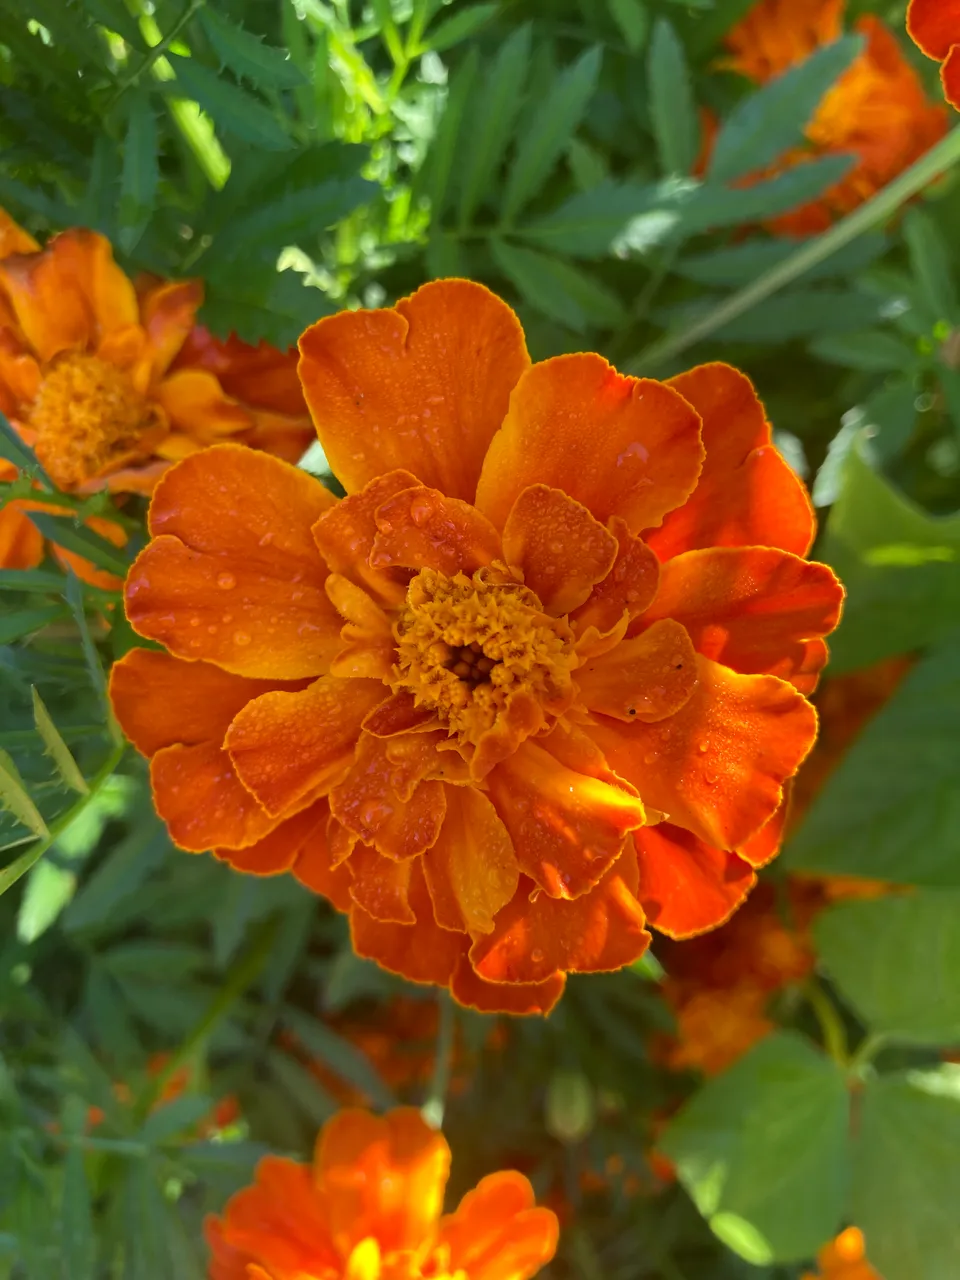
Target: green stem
x,y
867,1050
883,205
157,51
831,1024
435,1104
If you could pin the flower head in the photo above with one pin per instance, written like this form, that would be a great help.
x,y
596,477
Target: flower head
x,y
539,676
844,1259
935,26
370,1209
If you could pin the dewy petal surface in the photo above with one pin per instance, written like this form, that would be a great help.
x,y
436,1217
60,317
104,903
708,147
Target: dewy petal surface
x,y
687,887
423,385
647,678
628,588
202,801
421,528
621,446
472,869
422,952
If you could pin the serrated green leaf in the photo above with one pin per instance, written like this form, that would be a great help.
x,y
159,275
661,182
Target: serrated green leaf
x,y
57,749
673,111
276,311
247,55
434,179
63,531
138,184
492,110
15,798
23,622
233,109
98,681
460,26
548,131
633,20
561,291
78,1243
932,267
586,225
713,206
771,121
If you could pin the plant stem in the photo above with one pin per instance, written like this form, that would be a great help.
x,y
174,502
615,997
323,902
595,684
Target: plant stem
x,y
831,1024
867,1050
883,205
435,1104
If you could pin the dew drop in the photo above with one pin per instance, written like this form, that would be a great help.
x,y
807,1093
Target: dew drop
x,y
212,629
536,955
226,581
703,746
194,621
421,509
265,540
241,638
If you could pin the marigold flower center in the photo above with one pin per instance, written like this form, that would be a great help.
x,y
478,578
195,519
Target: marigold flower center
x,y
87,417
466,646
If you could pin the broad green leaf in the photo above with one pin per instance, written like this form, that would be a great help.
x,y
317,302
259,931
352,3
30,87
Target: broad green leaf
x,y
247,55
890,809
703,31
932,267
342,1057
771,121
64,532
460,26
906,1184
77,1239
492,108
633,20
22,622
548,131
740,264
114,15
673,110
439,166
233,109
872,351
763,1150
897,959
559,290
586,225
57,749
15,798
713,206
138,185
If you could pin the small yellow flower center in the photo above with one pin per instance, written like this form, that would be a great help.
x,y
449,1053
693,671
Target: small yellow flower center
x,y
88,418
466,646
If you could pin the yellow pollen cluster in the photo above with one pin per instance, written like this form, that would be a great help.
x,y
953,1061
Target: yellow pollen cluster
x,y
88,418
467,645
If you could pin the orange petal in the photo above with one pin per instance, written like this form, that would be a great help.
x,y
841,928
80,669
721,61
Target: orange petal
x,y
472,869
950,75
422,529
561,549
195,403
381,1177
13,238
519,998
382,801
424,385
317,870
380,886
48,307
160,700
647,678
203,802
718,766
233,574
621,446
345,535
167,314
497,1233
567,828
398,713
19,375
279,850
747,495
628,588
601,930
935,26
421,952
764,846
281,1221
286,745
754,609
687,887
21,544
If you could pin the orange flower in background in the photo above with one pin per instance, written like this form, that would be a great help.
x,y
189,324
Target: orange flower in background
x,y
538,677
844,1259
878,111
935,26
370,1208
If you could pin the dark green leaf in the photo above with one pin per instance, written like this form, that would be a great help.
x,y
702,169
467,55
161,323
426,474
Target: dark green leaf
x,y
740,264
247,55
434,181
492,110
275,307
633,20
586,225
120,874
932,267
144,1220
98,681
873,351
138,186
559,290
30,580
713,206
174,1117
792,314
77,1240
234,110
64,532
459,26
343,1058
301,1086
23,622
673,111
14,450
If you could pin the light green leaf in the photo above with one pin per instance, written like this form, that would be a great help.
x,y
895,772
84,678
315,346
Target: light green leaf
x,y
763,1150
459,27
138,184
233,109
673,110
559,290
492,108
15,798
57,749
586,225
247,55
548,131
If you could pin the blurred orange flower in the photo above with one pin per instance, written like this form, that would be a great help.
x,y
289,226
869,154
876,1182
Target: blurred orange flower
x,y
935,26
878,110
844,1259
556,606
370,1209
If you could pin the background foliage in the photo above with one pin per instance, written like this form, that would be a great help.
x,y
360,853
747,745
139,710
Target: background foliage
x,y
303,155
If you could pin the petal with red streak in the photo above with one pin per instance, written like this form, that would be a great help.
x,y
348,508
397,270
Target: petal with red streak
x,y
497,1232
202,801
424,385
934,25
519,998
686,886
621,446
647,678
472,869
747,495
420,528
421,952
628,588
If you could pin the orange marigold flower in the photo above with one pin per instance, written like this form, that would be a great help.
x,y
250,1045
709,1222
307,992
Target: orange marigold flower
x,y
935,26
557,606
370,1207
844,1259
877,111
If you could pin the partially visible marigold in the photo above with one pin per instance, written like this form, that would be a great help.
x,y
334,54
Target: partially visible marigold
x,y
877,111
935,26
370,1208
557,607
844,1259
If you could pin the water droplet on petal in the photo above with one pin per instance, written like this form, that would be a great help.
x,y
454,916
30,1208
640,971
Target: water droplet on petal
x,y
421,509
226,581
536,955
241,638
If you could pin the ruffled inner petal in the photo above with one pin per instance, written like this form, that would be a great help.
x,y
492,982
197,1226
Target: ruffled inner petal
x,y
472,869
204,804
687,887
420,528
647,678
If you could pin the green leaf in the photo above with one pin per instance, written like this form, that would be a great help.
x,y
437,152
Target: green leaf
x,y
14,871
15,799
768,123
459,27
144,1218
77,1240
434,179
890,809
795,313
737,265
138,185
492,108
30,580
64,532
233,109
930,259
118,877
559,290
872,352
98,681
278,312
23,458
586,225
548,131
22,622
633,20
763,1150
174,1117
301,1087
247,55
897,960
57,749
673,111
343,1058
906,1184
713,206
